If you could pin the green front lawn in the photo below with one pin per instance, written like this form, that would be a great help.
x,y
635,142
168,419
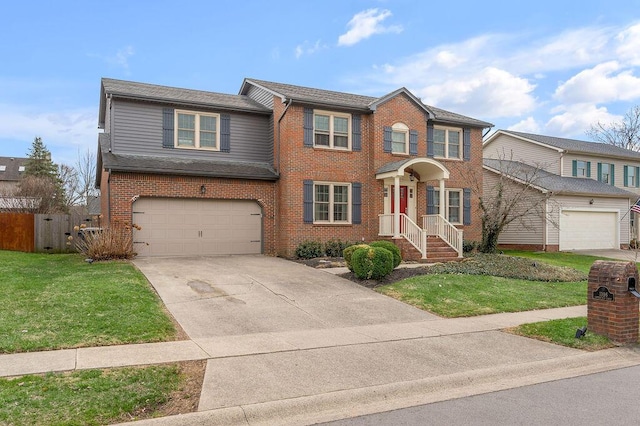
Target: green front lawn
x,y
572,260
563,332
55,301
486,284
91,397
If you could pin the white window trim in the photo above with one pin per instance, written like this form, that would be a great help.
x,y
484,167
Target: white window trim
x,y
446,142
436,195
197,130
400,128
331,133
331,203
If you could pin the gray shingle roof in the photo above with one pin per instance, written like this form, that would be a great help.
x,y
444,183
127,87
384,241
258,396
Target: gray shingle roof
x,y
12,165
152,92
577,146
555,183
389,167
353,101
183,166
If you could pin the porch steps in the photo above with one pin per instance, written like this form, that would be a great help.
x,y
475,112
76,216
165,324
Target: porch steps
x,y
437,251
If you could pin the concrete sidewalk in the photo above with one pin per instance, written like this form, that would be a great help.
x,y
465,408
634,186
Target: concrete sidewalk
x,y
306,377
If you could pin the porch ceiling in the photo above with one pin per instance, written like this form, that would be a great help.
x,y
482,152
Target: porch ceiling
x,y
423,169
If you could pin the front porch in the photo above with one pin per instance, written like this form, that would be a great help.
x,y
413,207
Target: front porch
x,y
432,235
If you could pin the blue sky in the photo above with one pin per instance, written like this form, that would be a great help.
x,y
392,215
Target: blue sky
x,y
549,67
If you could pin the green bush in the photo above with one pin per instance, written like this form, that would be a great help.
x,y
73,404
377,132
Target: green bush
x,y
335,248
395,251
309,250
372,263
347,253
469,246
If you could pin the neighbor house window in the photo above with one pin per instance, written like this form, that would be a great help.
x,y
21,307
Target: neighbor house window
x,y
3,168
582,169
447,142
400,138
453,205
631,176
21,168
197,130
331,130
331,202
605,173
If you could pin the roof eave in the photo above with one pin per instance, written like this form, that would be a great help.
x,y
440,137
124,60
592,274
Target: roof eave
x,y
189,104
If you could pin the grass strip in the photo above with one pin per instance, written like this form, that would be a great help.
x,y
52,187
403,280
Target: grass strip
x,y
563,332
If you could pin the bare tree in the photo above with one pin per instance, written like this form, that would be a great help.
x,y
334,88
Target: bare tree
x,y
624,134
86,170
69,177
44,195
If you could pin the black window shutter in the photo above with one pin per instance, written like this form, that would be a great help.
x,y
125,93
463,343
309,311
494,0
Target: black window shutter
x,y
356,133
466,204
588,169
574,168
430,140
431,201
466,144
356,203
167,128
413,142
307,195
387,139
308,127
225,133
613,175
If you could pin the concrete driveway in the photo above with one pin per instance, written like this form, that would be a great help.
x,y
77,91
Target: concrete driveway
x,y
623,255
246,295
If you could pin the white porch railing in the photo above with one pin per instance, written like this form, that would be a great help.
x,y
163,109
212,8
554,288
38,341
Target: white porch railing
x,y
434,224
409,230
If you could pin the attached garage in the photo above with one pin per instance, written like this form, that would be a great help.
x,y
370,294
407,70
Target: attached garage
x,y
588,229
197,227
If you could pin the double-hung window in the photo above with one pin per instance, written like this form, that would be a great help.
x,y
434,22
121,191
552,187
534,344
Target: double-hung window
x,y
331,202
453,204
605,173
582,169
631,176
447,142
331,130
400,139
197,130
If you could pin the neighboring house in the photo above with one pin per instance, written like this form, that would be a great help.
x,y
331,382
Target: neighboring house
x,y
276,165
589,188
11,171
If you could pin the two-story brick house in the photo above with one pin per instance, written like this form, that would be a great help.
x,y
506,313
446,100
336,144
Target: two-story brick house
x,y
590,186
278,164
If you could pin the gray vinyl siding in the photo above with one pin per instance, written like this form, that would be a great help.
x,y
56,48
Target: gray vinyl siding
x,y
506,147
617,164
137,129
517,232
568,201
261,96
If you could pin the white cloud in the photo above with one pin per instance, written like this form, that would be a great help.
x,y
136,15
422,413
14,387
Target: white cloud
x,y
600,84
628,49
365,24
62,131
307,48
575,120
528,125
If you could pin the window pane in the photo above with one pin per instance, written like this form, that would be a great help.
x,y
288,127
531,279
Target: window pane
x,y
438,149
186,138
340,212
322,139
341,194
321,211
436,199
322,122
340,125
398,140
186,121
340,141
454,199
207,140
322,193
439,136
454,214
454,144
208,123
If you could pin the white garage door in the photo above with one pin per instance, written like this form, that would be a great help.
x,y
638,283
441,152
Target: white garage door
x,y
185,227
584,230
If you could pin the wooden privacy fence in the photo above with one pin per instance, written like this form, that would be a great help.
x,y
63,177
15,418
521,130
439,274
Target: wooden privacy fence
x,y
44,233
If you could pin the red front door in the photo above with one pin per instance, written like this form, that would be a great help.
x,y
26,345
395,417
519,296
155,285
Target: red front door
x,y
403,199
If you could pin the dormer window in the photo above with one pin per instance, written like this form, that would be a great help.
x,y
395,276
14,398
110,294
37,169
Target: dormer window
x,y
3,168
331,130
21,168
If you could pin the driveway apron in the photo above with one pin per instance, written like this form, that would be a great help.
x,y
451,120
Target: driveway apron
x,y
242,295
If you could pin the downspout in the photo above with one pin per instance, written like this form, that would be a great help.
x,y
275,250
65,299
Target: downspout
x,y
279,120
276,188
562,162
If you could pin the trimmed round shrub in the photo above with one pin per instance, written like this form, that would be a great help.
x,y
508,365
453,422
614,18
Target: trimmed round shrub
x,y
395,251
347,253
372,263
309,250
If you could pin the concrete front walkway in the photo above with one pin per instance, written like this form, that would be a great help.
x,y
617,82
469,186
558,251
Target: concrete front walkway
x,y
288,344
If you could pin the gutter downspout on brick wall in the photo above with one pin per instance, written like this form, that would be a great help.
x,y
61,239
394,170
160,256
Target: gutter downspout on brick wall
x,y
279,120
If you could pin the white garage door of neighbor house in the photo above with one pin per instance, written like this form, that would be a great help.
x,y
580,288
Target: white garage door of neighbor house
x,y
187,227
584,230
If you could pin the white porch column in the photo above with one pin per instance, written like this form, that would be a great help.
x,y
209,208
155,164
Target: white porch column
x,y
442,208
396,207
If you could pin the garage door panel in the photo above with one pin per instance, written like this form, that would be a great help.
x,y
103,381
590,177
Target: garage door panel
x,y
583,230
173,227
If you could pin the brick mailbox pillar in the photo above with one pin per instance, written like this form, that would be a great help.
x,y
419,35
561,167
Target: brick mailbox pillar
x,y
612,309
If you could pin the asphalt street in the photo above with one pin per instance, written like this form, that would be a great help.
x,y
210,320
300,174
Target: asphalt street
x,y
609,398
